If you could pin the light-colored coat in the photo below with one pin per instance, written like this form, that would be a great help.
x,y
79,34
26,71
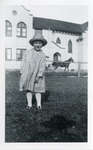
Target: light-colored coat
x,y
33,66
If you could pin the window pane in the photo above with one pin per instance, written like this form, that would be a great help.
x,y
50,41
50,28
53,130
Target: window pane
x,y
21,27
19,54
9,33
8,24
24,33
18,29
18,32
8,53
23,30
8,28
70,46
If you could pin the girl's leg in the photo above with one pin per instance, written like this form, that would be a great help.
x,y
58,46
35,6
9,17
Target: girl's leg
x,y
29,99
38,99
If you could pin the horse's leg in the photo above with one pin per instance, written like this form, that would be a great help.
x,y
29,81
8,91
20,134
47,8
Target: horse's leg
x,y
65,69
68,68
55,67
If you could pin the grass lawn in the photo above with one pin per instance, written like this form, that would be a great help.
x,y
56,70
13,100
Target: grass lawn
x,y
64,111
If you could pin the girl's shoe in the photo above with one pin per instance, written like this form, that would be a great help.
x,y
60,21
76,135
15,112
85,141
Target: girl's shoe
x,y
39,108
28,108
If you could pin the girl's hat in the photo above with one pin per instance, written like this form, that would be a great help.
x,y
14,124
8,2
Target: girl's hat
x,y
38,37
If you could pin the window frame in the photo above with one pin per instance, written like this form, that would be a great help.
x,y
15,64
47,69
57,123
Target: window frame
x,y
56,56
70,46
8,32
6,58
20,28
20,49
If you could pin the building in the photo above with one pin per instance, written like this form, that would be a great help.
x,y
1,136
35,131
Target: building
x,y
65,39
17,30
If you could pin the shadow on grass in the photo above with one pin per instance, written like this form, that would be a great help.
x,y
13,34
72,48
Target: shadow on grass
x,y
64,114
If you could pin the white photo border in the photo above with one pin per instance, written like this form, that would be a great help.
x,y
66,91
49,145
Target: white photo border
x,y
48,146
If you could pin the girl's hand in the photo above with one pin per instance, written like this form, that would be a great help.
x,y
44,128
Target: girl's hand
x,y
37,79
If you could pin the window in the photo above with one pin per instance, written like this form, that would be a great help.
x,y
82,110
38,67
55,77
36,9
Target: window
x,y
58,41
19,54
8,27
56,57
69,46
21,29
8,53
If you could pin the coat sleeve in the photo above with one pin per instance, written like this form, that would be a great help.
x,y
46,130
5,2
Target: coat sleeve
x,y
42,67
23,63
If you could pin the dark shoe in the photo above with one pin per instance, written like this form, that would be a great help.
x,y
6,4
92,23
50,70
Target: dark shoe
x,y
28,108
39,109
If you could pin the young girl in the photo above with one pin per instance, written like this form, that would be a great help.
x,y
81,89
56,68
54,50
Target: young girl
x,y
32,70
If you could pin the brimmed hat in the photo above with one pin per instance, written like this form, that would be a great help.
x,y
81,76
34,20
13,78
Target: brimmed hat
x,y
38,37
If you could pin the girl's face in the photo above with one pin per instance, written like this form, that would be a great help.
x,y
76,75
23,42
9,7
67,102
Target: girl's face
x,y
37,45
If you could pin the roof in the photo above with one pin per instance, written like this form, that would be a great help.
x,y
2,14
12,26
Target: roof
x,y
84,26
57,25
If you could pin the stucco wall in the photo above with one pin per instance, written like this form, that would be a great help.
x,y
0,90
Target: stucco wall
x,y
51,48
15,42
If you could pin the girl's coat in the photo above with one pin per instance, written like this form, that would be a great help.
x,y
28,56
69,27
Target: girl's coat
x,y
33,66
